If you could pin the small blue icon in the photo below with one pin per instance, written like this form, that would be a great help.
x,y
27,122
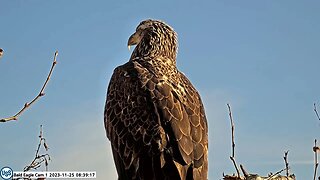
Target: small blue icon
x,y
6,173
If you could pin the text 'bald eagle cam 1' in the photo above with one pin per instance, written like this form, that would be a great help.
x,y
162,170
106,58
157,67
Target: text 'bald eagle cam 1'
x,y
154,116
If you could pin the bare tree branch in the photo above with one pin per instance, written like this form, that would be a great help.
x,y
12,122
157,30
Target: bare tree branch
x,y
232,157
315,110
316,164
285,157
39,158
28,104
275,174
245,173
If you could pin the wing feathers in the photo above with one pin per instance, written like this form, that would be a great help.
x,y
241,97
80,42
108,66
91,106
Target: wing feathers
x,y
157,123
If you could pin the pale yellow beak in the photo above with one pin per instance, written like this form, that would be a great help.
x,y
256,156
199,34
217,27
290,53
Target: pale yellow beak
x,y
134,39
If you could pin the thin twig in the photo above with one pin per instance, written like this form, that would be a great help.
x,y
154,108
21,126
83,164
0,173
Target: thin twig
x,y
235,165
315,110
316,164
27,105
285,157
245,173
232,157
232,130
273,175
39,159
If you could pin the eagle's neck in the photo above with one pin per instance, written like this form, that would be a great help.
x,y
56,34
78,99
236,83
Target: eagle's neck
x,y
157,44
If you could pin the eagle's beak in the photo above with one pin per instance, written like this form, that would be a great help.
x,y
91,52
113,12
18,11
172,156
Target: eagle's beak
x,y
134,39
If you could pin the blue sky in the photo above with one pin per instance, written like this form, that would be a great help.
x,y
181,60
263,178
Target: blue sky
x,y
262,57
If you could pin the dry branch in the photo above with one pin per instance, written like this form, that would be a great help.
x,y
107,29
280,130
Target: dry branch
x,y
285,157
316,148
257,177
273,175
248,176
245,173
315,110
316,164
232,157
39,158
41,93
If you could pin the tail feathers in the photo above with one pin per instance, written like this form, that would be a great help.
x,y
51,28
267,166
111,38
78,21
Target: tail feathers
x,y
152,168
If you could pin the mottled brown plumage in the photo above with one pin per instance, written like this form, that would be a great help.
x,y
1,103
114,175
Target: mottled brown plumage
x,y
154,116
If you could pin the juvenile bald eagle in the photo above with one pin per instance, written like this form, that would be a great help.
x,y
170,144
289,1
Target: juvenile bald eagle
x,y
154,116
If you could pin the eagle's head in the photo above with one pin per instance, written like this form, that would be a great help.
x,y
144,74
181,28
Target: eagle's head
x,y
154,38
